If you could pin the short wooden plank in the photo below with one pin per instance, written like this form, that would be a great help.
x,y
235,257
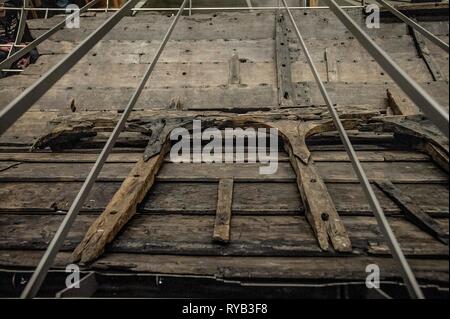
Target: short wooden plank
x,y
191,235
332,70
224,208
234,76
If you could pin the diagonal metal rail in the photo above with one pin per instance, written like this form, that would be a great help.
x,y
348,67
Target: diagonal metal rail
x,y
432,109
427,34
383,223
47,259
14,110
33,44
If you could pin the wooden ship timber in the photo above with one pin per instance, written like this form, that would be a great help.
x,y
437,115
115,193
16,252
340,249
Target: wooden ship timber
x,y
154,228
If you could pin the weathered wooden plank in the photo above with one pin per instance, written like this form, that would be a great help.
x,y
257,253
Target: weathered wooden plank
x,y
234,76
121,208
173,75
339,172
413,212
397,171
286,97
362,71
332,71
330,268
373,94
197,98
320,210
317,156
201,198
425,54
154,26
142,51
223,215
191,235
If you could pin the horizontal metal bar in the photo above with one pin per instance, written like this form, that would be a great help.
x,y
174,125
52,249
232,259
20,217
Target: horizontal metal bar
x,y
414,91
396,251
14,110
33,44
46,261
427,34
176,9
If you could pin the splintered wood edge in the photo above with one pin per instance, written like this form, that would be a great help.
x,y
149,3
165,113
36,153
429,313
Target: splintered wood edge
x,y
121,208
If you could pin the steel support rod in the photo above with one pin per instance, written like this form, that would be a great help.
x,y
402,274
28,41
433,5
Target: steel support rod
x,y
46,261
427,34
20,32
14,110
414,91
394,246
193,8
19,54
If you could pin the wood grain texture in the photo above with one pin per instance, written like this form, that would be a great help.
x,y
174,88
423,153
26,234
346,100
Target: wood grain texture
x,y
320,210
223,214
413,212
121,209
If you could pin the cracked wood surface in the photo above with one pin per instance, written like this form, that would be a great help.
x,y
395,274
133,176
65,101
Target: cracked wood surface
x,y
121,208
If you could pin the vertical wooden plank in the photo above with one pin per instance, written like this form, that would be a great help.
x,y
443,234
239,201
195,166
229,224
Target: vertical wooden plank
x,y
320,210
223,214
284,76
425,54
332,71
235,70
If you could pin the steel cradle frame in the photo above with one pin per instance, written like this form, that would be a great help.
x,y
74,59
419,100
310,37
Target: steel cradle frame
x,y
13,111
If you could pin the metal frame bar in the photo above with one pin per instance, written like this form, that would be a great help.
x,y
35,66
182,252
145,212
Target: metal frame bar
x,y
20,31
47,259
414,91
32,45
272,8
427,34
383,223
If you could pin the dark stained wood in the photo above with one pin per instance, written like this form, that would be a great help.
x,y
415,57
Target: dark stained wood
x,y
413,212
229,267
425,54
201,198
191,235
286,97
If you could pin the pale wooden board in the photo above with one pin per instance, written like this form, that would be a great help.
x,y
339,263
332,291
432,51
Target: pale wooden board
x,y
142,51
